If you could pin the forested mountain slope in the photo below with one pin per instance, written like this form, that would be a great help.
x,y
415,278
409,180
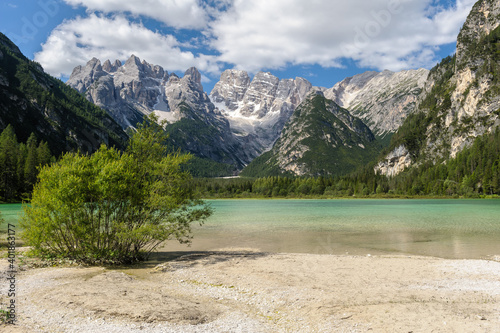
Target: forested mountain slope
x,y
35,102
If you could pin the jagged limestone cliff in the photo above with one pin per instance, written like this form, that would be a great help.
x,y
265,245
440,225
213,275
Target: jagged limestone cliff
x,y
136,88
382,100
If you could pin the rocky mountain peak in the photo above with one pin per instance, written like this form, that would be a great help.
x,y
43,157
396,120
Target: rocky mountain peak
x,y
258,99
83,77
260,95
258,109
132,69
108,67
133,61
194,74
231,88
94,64
302,86
193,77
483,18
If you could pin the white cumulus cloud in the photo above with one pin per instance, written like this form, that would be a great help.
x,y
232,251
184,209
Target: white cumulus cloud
x,y
257,34
175,13
385,34
74,42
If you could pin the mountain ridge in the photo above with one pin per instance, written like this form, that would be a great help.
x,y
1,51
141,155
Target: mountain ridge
x,y
258,108
244,115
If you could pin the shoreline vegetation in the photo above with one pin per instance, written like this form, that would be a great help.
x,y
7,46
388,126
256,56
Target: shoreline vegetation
x,y
324,197
327,197
473,173
353,197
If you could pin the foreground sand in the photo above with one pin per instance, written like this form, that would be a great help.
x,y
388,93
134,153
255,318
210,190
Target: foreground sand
x,y
248,291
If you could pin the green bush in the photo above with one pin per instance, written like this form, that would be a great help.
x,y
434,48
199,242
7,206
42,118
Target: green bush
x,y
113,207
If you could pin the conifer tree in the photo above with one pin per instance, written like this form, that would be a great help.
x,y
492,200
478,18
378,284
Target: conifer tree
x,y
9,155
30,166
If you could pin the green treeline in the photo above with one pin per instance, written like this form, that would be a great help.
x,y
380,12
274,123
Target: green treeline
x,y
472,173
19,165
361,184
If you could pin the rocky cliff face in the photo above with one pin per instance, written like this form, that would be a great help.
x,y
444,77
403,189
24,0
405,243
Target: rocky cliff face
x,y
382,100
482,20
127,91
461,98
139,88
395,162
258,109
321,138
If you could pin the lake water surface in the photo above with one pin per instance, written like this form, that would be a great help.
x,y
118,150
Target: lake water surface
x,y
441,228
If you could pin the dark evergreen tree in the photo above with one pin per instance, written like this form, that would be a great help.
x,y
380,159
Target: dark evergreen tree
x,y
20,164
30,166
9,154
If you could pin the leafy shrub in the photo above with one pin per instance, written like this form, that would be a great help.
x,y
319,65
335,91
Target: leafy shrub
x,y
113,207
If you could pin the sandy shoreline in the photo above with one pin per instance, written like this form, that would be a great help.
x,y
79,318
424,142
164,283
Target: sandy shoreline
x,y
249,291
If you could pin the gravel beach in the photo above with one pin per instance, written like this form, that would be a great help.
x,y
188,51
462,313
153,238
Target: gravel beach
x,y
249,291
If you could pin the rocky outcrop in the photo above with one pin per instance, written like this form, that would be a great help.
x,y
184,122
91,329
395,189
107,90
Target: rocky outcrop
x,y
397,160
382,100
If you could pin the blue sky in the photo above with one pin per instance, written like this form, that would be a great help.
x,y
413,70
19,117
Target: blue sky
x,y
323,41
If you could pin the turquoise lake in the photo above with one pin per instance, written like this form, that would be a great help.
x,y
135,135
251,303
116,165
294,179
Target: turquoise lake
x,y
434,227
